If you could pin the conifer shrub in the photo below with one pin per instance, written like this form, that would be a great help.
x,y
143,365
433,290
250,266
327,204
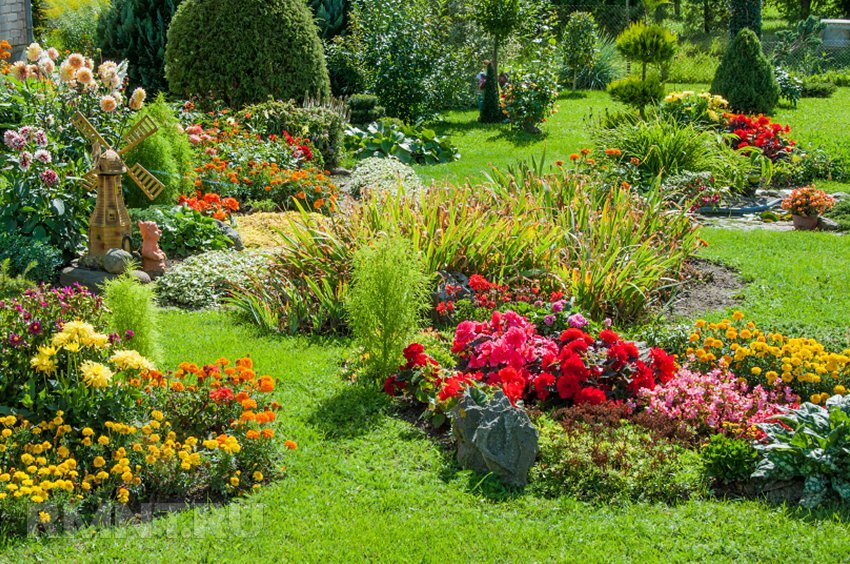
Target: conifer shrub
x,y
386,301
135,30
243,51
491,109
133,314
745,77
166,154
364,109
637,93
647,44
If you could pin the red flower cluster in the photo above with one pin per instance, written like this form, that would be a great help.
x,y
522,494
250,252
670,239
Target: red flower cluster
x,y
490,295
758,131
578,368
418,364
210,204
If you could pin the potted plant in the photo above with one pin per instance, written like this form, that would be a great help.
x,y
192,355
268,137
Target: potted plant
x,y
806,204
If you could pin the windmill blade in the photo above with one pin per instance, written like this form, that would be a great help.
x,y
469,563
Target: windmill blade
x,y
89,132
146,181
143,129
89,180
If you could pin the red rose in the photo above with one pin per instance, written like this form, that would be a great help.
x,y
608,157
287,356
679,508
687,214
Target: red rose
x,y
412,351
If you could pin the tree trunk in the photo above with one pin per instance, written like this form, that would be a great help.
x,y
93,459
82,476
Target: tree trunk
x,y
805,8
706,16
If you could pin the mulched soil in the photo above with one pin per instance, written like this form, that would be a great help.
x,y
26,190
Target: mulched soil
x,y
709,286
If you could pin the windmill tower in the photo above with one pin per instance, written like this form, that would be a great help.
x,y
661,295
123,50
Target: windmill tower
x,y
109,227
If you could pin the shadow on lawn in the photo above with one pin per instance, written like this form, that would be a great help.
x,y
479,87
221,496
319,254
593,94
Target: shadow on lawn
x,y
354,410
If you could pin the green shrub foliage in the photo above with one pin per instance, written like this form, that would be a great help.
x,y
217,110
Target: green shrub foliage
x,y
745,77
745,14
132,308
135,30
389,293
29,256
242,51
637,93
491,109
499,18
331,16
647,44
12,285
728,459
167,155
344,67
364,109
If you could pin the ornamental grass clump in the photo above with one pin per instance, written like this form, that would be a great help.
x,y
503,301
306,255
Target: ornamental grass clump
x,y
388,297
611,250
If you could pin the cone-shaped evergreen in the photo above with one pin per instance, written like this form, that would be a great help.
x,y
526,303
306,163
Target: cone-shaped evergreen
x,y
491,109
745,77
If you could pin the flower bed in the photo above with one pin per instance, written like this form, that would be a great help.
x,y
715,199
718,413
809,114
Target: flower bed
x,y
93,423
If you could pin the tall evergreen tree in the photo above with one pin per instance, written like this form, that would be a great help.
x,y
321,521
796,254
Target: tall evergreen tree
x,y
491,109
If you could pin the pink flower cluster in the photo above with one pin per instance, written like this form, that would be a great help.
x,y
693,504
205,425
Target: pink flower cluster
x,y
712,400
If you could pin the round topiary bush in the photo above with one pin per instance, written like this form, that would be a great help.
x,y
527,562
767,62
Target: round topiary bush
x,y
243,51
745,76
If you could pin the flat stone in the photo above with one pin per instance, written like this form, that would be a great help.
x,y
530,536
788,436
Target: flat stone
x,y
827,224
94,279
115,261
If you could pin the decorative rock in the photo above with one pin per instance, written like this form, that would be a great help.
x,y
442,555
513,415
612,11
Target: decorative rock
x,y
115,260
228,231
496,437
94,279
827,224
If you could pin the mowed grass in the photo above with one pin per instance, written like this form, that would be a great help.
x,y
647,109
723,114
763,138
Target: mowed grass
x,y
366,485
800,281
824,122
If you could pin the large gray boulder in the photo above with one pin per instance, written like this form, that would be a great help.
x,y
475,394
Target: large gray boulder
x,y
495,437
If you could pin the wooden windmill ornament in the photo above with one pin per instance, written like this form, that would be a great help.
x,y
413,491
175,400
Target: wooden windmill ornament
x,y
109,227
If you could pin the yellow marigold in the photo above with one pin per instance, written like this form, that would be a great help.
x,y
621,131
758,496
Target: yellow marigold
x,y
123,495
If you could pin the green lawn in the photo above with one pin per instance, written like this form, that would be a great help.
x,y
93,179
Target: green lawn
x,y
821,121
800,279
366,485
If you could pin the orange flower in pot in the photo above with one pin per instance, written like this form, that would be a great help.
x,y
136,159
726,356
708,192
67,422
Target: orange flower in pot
x,y
806,204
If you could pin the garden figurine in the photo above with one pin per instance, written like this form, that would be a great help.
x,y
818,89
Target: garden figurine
x,y
153,258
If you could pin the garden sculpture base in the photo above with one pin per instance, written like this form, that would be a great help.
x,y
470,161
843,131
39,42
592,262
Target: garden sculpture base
x,y
93,279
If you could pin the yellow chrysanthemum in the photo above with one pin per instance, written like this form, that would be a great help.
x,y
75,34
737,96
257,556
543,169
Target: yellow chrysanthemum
x,y
96,375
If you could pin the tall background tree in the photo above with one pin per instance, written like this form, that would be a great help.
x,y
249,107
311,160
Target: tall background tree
x,y
136,30
499,19
745,14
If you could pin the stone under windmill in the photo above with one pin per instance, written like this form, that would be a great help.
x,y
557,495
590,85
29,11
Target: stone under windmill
x,y
109,227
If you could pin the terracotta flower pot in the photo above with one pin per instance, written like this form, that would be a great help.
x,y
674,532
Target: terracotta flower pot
x,y
805,222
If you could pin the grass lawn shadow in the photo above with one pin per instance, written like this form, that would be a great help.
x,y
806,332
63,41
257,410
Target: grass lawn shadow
x,y
353,411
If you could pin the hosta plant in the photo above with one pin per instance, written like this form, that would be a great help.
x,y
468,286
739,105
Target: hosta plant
x,y
408,144
811,443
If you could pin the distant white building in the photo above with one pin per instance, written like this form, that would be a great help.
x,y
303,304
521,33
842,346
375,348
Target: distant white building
x,y
836,34
16,24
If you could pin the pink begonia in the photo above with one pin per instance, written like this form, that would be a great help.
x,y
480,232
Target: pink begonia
x,y
707,401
